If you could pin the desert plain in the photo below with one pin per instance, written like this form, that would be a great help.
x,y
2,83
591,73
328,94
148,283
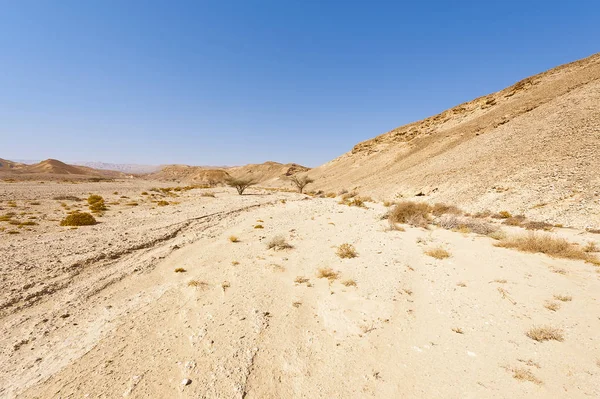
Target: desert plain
x,y
254,296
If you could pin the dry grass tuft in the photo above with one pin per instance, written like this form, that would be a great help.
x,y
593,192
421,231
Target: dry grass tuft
x,y
553,306
198,284
349,283
162,203
208,194
328,273
79,219
234,239
461,284
301,280
438,253
180,270
591,247
523,374
278,243
346,251
545,333
259,226
546,244
440,209
563,298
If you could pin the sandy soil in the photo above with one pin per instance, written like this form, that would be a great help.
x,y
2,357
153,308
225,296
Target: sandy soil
x,y
101,312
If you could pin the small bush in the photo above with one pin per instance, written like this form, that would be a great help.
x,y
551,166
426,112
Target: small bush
x,y
162,203
545,333
591,247
346,251
278,243
349,283
198,284
523,374
443,209
67,198
301,280
412,213
546,244
553,306
259,226
330,195
180,270
538,226
502,215
144,193
208,194
514,220
438,253
328,273
79,219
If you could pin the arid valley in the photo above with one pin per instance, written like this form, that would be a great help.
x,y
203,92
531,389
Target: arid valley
x,y
456,256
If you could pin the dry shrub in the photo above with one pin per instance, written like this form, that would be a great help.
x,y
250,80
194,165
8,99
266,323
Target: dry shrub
x,y
198,284
234,239
593,231
301,280
523,374
458,330
514,220
349,283
538,226
79,219
502,215
545,333
563,298
412,213
161,203
346,251
208,194
546,244
327,273
465,224
591,247
347,196
440,209
180,270
259,226
553,306
330,195
438,253
356,201
278,243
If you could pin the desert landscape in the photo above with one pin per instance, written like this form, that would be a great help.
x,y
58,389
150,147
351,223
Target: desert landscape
x,y
436,260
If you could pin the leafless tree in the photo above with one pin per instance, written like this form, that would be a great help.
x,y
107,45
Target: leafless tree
x,y
239,184
301,182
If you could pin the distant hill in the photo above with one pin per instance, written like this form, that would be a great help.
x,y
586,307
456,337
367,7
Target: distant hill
x,y
120,167
52,168
268,173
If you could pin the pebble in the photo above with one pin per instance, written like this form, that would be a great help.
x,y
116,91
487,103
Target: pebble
x,y
186,381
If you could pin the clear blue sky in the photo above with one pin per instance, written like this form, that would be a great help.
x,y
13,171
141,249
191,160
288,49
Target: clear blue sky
x,y
232,82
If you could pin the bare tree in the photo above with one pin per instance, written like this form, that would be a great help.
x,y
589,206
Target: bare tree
x,y
239,184
301,182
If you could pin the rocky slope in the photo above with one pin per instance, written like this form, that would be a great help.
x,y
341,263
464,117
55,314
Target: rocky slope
x,y
532,148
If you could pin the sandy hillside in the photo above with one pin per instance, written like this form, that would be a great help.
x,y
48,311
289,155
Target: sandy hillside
x,y
532,148
100,311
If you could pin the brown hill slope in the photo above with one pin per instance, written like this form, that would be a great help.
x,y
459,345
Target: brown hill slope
x,y
268,172
52,169
196,174
533,148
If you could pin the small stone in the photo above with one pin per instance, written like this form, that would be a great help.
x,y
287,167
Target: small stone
x,y
186,381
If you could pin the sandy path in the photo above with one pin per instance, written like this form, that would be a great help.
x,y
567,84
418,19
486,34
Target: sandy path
x,y
253,332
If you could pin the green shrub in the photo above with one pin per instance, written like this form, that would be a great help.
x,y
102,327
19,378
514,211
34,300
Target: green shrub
x,y
78,219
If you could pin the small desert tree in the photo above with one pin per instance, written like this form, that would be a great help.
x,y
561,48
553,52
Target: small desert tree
x,y
239,184
301,182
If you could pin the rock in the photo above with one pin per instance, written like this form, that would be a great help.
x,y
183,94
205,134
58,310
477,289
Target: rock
x,y
186,381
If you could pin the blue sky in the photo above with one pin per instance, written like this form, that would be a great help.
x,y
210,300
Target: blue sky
x,y
233,82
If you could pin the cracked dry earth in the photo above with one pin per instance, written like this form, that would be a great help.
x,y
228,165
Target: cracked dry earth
x,y
412,326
